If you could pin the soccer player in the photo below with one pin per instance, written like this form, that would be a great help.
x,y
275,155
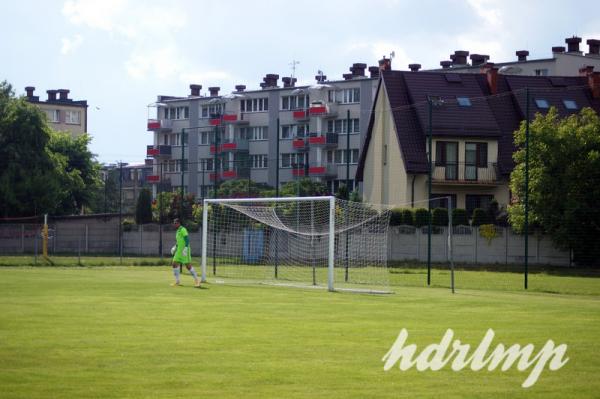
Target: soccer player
x,y
182,254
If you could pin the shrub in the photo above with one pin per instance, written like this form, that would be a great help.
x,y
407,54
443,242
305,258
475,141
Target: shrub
x,y
396,217
479,217
421,217
460,217
192,226
439,217
143,209
128,224
408,217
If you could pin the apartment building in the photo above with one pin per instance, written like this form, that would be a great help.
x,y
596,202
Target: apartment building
x,y
130,178
564,61
64,113
280,132
470,120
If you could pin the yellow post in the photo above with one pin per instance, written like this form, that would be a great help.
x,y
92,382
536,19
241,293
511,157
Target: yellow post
x,y
45,238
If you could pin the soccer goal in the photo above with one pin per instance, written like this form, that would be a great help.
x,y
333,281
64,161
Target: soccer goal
x,y
308,241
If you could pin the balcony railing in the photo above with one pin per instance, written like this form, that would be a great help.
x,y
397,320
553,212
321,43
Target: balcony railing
x,y
323,170
159,151
323,139
301,115
323,110
465,173
160,124
153,178
300,144
229,117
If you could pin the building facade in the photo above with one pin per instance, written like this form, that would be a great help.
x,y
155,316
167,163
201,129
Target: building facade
x,y
470,120
273,135
64,114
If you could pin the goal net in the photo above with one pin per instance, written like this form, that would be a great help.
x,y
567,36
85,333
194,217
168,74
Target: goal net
x,y
313,241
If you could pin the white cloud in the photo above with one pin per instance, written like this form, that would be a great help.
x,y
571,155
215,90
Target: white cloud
x,y
149,30
70,45
487,10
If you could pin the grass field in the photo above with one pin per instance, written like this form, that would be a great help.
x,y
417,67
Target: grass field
x,y
114,332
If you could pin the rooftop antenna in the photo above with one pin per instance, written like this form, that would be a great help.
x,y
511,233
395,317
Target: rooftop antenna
x,y
293,65
392,55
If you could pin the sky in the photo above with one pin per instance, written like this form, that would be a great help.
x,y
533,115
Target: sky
x,y
120,54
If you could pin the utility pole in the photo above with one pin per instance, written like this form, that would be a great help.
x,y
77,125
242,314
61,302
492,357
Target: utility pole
x,y
526,187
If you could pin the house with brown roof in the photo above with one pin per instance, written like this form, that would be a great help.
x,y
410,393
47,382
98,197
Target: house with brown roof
x,y
470,120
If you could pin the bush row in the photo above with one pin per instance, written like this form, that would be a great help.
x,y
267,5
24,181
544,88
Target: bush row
x,y
439,217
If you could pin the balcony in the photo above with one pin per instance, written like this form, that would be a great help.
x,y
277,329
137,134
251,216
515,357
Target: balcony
x,y
298,170
153,179
160,151
228,118
327,170
460,173
323,139
300,144
160,125
301,115
230,146
320,109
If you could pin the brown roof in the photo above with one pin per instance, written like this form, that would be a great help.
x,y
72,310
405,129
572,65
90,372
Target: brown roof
x,y
488,116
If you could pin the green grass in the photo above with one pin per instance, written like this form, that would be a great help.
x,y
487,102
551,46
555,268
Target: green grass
x,y
115,332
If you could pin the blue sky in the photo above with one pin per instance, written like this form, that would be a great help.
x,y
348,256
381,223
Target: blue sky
x,y
119,54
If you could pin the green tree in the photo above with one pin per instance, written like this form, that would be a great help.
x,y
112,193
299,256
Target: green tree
x,y
244,188
79,173
564,181
30,181
305,187
143,209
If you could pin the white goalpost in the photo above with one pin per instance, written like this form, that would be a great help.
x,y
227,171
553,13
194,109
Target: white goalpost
x,y
309,241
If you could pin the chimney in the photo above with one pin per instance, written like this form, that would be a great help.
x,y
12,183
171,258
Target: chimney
x,y
558,49
29,90
320,78
348,76
51,95
478,59
240,88
270,80
491,74
460,57
289,81
358,69
214,91
522,55
594,47
573,44
586,70
64,94
414,67
445,64
385,64
195,90
374,71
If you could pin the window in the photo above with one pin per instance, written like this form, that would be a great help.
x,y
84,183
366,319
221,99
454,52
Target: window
x,y
255,132
476,154
289,103
446,155
570,104
166,139
208,111
293,160
340,126
254,105
175,139
345,96
291,131
178,113
542,103
206,138
73,117
541,72
206,164
477,201
339,156
53,115
464,101
259,161
441,200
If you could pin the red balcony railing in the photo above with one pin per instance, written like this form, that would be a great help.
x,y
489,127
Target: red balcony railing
x,y
301,114
160,124
324,139
299,144
153,178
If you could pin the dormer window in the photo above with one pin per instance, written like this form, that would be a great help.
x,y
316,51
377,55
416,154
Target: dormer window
x,y
542,103
464,101
570,104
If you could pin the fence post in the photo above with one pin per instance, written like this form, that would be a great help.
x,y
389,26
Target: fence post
x,y
87,238
22,238
141,227
35,248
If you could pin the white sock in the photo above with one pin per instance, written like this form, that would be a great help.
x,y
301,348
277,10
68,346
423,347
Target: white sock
x,y
176,274
193,273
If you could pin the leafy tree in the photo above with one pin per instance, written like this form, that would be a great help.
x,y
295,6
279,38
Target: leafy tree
x,y
30,181
305,187
342,192
143,209
564,181
80,172
244,188
161,207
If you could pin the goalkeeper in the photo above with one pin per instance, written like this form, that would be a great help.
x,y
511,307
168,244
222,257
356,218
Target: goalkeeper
x,y
182,254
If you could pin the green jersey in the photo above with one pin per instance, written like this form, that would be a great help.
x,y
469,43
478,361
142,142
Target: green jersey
x,y
183,241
